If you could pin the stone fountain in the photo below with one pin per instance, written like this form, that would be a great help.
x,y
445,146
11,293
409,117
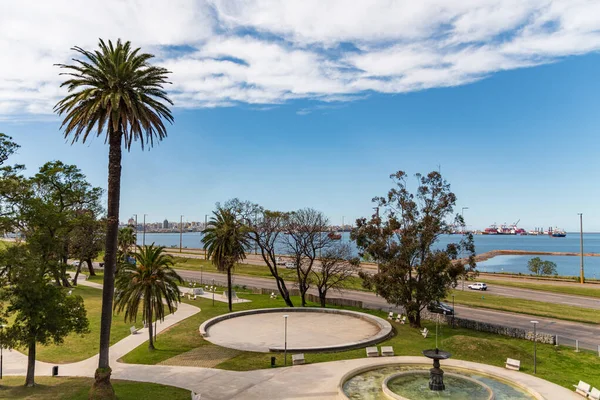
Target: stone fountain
x,y
436,374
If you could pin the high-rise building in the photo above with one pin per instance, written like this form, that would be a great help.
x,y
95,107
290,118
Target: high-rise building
x,y
165,224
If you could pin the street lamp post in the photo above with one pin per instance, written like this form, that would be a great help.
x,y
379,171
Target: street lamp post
x,y
453,311
343,228
180,232
205,226
285,318
213,290
581,277
144,232
534,346
462,216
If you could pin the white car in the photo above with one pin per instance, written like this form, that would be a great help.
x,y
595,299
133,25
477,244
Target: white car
x,y
290,265
280,261
478,286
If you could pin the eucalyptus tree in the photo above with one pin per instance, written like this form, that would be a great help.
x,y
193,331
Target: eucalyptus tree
x,y
114,92
400,238
151,283
225,239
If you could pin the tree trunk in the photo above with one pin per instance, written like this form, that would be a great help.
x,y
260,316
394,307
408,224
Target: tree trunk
x,y
90,267
30,379
414,316
63,275
77,273
108,289
301,284
149,320
323,297
285,294
229,288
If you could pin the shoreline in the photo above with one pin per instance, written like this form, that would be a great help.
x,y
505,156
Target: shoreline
x,y
493,253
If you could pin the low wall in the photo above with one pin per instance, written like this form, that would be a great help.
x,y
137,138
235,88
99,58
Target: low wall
x,y
334,301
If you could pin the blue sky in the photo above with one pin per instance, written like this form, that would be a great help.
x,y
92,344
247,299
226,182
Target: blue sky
x,y
514,127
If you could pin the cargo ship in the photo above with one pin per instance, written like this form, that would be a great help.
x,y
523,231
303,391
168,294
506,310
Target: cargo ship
x,y
504,229
556,232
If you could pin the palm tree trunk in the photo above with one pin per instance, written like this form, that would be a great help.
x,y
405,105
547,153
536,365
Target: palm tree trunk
x,y
114,194
30,379
229,288
149,320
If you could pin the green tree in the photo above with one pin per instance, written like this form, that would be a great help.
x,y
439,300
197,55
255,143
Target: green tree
x,y
41,311
538,266
151,282
113,92
400,238
87,240
225,240
126,239
337,266
7,147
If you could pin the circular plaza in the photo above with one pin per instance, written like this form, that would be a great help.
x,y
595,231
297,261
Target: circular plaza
x,y
306,329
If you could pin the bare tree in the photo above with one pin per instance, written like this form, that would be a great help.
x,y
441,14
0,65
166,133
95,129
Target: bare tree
x,y
305,240
337,266
265,228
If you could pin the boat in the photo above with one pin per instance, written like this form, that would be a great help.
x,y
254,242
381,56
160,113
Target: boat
x,y
557,232
491,230
334,235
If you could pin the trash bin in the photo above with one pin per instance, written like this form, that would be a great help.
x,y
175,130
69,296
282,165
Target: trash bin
x,y
55,370
272,361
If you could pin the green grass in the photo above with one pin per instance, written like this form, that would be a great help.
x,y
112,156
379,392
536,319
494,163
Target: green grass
x,y
524,306
60,388
78,347
583,290
556,364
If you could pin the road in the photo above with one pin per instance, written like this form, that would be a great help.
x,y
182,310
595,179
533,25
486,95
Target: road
x,y
587,334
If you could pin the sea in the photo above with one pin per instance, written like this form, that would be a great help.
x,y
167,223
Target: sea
x,y
566,265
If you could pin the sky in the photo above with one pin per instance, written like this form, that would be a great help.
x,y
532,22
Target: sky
x,y
296,104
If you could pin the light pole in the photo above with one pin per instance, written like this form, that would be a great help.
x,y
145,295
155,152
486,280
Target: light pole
x,y
213,290
205,226
285,317
581,277
343,228
462,215
144,232
453,311
180,231
534,347
1,347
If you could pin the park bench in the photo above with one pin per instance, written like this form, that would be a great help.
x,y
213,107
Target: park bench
x,y
582,388
298,359
391,315
372,352
387,351
425,333
133,330
196,396
594,394
513,364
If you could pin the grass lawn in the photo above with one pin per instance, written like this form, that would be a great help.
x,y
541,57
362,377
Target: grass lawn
x,y
556,364
11,387
531,307
77,347
583,290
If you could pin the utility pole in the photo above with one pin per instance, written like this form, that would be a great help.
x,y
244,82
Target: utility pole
x,y
136,230
343,228
205,226
581,277
180,231
144,233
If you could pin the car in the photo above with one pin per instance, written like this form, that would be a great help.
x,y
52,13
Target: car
x,y
280,261
437,307
290,265
75,263
478,286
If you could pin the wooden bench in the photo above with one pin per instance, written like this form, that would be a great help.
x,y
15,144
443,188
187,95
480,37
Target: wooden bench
x,y
425,333
582,388
387,351
513,364
372,352
133,330
298,359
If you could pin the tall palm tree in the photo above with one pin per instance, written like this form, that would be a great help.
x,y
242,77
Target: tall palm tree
x,y
125,239
151,282
225,240
113,92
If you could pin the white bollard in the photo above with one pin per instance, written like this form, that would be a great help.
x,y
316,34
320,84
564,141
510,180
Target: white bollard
x,y
556,340
576,346
599,350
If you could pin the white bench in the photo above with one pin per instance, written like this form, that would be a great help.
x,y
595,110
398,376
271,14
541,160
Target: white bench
x,y
513,364
582,388
298,359
387,351
594,394
398,317
133,330
391,315
425,333
372,352
196,396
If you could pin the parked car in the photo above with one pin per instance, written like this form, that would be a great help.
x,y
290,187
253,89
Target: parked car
x,y
280,261
75,263
437,307
478,286
290,265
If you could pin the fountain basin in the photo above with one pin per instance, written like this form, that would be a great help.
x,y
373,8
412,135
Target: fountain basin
x,y
411,385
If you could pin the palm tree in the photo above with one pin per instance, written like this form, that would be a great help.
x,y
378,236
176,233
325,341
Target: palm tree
x,y
151,282
125,239
113,92
225,240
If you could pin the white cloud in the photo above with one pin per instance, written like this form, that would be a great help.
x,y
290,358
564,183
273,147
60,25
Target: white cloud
x,y
266,52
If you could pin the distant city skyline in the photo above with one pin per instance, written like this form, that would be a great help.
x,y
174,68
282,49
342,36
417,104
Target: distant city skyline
x,y
502,98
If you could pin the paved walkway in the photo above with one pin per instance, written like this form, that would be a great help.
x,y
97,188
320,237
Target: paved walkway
x,y
312,381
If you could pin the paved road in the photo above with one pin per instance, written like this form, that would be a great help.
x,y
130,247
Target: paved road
x,y
587,334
